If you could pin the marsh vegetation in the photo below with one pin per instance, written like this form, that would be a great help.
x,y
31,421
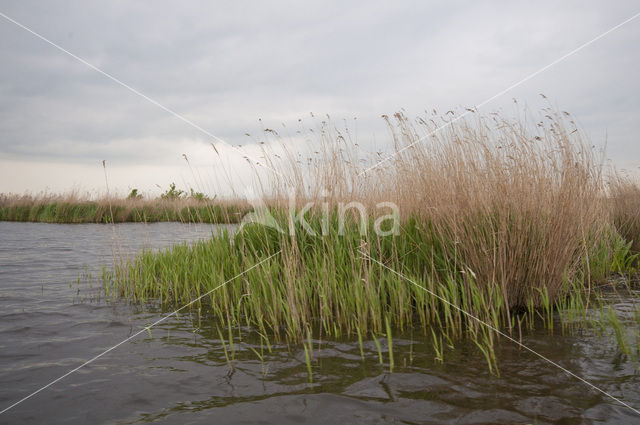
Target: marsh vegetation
x,y
502,223
172,205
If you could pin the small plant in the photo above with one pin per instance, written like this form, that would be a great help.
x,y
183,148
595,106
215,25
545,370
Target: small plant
x,y
624,259
134,194
199,196
173,193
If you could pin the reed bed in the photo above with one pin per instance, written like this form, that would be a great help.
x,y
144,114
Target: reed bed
x,y
624,197
72,208
507,219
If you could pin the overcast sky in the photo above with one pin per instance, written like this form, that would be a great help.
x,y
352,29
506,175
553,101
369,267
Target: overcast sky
x,y
225,65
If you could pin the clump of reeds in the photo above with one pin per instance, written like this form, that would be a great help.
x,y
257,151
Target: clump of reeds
x,y
500,217
517,206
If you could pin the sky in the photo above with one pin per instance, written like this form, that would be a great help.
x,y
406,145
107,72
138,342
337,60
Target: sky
x,y
235,68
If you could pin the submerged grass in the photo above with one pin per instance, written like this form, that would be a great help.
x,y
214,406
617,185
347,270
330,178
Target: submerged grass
x,y
506,220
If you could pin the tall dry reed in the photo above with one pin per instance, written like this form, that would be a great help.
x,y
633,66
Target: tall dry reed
x,y
624,198
517,203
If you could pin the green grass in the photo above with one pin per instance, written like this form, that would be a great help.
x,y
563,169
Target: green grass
x,y
325,284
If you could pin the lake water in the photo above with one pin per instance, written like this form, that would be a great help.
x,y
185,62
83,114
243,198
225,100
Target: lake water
x,y
178,374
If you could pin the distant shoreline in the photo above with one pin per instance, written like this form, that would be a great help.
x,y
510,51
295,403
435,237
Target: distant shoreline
x,y
52,210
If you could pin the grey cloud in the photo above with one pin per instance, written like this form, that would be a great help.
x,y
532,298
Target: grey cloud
x,y
226,65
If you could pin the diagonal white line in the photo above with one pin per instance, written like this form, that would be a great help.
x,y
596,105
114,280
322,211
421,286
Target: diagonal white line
x,y
508,89
493,328
147,328
137,92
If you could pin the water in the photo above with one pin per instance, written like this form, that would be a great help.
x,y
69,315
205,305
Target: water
x,y
179,373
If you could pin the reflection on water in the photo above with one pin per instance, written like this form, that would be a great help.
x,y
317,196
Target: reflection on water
x,y
179,373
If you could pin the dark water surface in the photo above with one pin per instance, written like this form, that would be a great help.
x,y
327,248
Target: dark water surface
x,y
179,374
